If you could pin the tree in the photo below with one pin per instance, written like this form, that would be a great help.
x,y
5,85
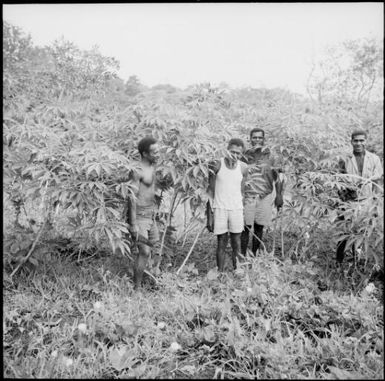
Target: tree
x,y
16,46
350,74
71,129
80,72
133,86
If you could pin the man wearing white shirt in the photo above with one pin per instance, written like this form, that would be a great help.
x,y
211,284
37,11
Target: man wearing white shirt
x,y
367,170
225,206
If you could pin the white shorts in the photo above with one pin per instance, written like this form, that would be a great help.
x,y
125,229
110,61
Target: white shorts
x,y
228,221
259,211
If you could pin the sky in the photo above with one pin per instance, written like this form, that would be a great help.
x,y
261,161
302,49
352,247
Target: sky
x,y
243,44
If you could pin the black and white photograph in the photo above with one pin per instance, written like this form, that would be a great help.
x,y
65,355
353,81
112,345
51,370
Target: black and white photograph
x,y
193,190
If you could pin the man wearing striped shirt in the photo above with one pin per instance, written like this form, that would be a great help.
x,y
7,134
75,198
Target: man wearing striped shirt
x,y
263,177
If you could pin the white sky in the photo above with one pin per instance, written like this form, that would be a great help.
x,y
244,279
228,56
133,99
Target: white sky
x,y
242,44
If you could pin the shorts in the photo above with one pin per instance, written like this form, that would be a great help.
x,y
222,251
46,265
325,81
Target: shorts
x,y
228,221
258,211
148,229
146,224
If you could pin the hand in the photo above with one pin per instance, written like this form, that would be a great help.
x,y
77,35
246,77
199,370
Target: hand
x,y
210,218
158,200
210,225
134,231
278,201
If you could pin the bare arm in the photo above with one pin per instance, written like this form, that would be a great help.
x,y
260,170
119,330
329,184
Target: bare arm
x,y
245,173
131,202
278,184
213,170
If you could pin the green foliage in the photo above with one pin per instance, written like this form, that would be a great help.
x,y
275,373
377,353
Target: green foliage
x,y
70,134
267,320
350,72
15,46
35,76
133,86
71,129
79,73
318,204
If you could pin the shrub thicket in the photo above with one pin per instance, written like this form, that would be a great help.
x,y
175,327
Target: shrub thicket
x,y
70,131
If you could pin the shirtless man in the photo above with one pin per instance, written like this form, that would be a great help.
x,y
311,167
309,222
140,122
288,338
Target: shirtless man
x,y
141,210
226,183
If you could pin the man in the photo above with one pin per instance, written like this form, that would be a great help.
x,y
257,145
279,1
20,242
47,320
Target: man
x,y
141,209
367,171
226,184
259,190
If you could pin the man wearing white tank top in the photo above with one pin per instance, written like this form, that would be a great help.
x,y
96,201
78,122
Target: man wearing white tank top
x,y
226,186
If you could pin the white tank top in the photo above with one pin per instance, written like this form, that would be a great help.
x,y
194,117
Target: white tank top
x,y
228,193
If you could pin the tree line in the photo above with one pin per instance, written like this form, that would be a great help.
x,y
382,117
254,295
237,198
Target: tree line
x,y
71,127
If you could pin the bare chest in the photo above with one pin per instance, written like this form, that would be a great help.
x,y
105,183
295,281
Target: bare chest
x,y
148,177
360,163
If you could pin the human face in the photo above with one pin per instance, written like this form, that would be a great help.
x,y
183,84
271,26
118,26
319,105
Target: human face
x,y
359,143
235,152
153,153
257,139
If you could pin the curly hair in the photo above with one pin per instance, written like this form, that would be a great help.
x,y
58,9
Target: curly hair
x,y
145,143
359,132
236,142
257,129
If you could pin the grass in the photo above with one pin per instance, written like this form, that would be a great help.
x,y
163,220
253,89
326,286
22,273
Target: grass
x,y
269,319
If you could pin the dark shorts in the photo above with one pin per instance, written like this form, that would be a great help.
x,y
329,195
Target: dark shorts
x,y
145,219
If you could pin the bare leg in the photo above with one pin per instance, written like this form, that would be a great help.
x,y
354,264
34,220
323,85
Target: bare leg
x,y
140,264
341,245
257,238
341,251
354,252
235,240
221,248
245,238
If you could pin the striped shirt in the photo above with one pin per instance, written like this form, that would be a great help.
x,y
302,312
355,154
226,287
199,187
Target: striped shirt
x,y
262,172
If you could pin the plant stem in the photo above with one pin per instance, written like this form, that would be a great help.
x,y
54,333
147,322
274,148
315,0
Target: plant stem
x,y
168,224
188,228
274,231
282,244
191,249
185,214
30,250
